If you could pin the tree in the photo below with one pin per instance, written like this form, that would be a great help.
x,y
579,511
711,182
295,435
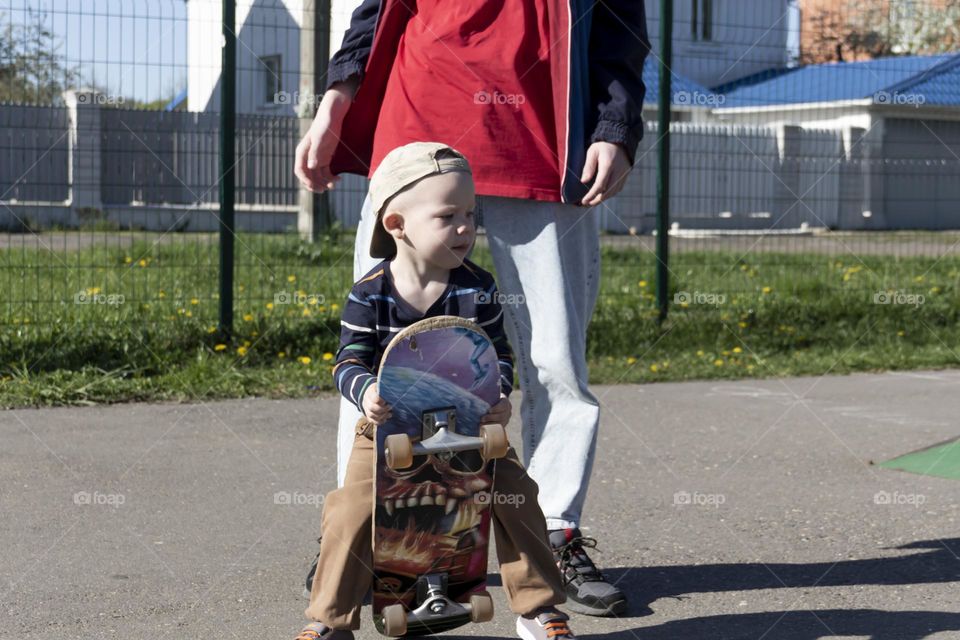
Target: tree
x,y
868,29
31,69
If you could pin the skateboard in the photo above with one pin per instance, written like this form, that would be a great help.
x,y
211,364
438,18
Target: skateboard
x,y
431,512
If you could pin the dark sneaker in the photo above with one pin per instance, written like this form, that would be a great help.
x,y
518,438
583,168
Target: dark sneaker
x,y
547,623
320,631
313,569
587,590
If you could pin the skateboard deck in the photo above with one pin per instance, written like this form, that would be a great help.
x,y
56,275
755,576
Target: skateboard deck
x,y
431,518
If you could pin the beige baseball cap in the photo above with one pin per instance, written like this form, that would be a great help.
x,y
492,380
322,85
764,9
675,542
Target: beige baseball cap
x,y
400,169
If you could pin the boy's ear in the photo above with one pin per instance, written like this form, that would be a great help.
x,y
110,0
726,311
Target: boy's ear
x,y
393,223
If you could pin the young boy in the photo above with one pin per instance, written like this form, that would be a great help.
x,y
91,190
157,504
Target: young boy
x,y
423,195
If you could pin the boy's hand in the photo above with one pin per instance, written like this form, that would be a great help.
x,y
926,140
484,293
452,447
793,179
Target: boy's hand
x,y
499,413
374,407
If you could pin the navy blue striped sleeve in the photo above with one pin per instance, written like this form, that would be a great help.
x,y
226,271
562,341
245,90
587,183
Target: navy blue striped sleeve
x,y
490,318
353,371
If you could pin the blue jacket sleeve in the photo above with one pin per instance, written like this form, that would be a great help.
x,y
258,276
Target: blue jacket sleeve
x,y
618,48
351,59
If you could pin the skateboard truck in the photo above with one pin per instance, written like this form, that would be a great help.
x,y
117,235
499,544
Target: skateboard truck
x,y
439,437
436,612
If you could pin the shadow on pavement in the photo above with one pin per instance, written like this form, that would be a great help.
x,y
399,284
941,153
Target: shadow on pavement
x,y
939,563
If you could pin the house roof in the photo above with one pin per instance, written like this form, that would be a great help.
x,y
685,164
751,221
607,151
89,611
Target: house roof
x,y
176,101
928,79
682,88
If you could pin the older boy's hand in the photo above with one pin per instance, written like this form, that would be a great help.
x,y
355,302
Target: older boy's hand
x,y
499,413
374,407
607,162
311,163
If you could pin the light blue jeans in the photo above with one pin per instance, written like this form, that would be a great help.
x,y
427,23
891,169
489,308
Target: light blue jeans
x,y
547,261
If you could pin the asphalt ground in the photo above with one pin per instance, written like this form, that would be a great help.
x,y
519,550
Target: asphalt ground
x,y
749,509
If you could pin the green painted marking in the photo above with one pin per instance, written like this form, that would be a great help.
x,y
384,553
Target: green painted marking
x,y
941,460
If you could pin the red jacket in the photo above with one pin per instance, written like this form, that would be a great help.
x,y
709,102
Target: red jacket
x,y
596,79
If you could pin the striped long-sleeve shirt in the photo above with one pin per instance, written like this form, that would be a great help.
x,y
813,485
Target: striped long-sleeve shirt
x,y
374,314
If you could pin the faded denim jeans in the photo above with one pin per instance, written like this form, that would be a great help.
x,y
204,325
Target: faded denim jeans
x,y
547,261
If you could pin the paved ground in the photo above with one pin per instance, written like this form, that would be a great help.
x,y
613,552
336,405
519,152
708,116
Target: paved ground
x,y
731,510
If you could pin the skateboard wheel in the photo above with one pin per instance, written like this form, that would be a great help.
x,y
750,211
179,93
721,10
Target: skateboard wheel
x,y
495,443
394,620
481,607
399,451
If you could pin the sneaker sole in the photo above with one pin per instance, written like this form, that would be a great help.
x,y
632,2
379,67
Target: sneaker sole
x,y
615,609
526,634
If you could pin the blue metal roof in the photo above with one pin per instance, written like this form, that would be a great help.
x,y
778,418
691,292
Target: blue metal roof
x,y
924,79
179,98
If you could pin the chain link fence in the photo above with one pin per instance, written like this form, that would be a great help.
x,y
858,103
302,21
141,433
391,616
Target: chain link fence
x,y
814,170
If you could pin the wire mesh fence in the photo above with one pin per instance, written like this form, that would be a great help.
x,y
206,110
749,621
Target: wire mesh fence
x,y
815,179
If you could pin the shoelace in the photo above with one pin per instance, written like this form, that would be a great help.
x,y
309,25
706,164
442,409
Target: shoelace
x,y
310,632
583,567
556,628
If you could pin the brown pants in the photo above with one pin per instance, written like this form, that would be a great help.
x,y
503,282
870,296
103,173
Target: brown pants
x,y
345,567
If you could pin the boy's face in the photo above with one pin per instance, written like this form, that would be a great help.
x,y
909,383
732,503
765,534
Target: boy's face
x,y
435,221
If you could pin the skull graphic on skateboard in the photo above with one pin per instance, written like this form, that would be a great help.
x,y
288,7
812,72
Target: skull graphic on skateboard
x,y
431,512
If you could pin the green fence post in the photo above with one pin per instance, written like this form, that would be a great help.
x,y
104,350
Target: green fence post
x,y
227,138
663,160
324,210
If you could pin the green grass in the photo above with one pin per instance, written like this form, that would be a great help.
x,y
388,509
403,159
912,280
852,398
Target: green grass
x,y
781,314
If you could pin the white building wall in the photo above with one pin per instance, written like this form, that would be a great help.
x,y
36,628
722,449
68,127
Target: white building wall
x,y
265,28
748,36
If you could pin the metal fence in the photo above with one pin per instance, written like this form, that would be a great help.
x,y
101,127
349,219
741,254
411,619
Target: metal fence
x,y
804,134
